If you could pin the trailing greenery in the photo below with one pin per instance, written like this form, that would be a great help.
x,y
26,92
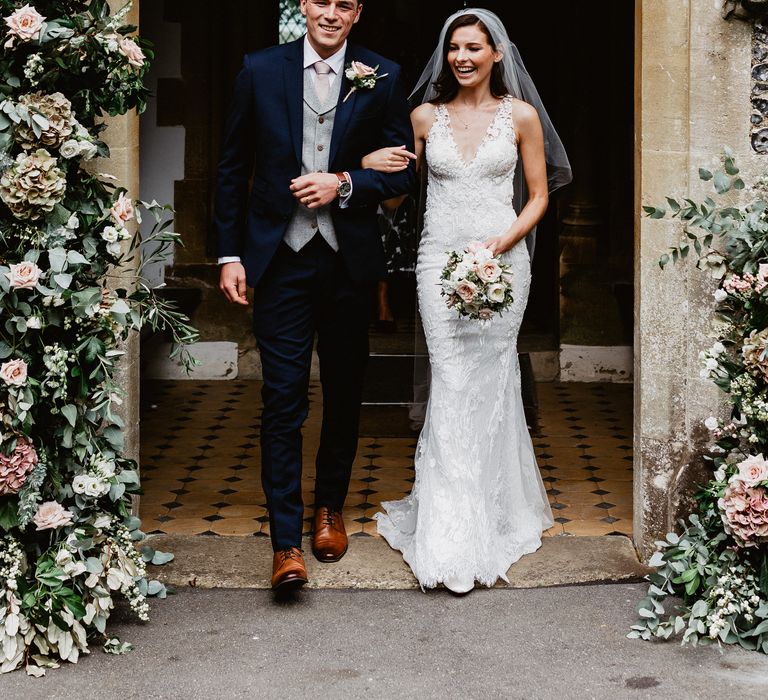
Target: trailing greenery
x,y
67,536
718,564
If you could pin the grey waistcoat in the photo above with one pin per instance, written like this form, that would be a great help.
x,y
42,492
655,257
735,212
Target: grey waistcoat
x,y
318,128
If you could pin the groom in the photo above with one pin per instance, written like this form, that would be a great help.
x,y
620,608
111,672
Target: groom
x,y
305,237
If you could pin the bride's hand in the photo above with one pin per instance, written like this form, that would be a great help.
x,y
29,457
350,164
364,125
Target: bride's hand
x,y
498,245
392,159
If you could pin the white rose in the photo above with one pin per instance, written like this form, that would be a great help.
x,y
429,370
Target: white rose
x,y
110,234
87,150
462,270
720,295
69,149
711,423
496,293
718,348
483,255
34,323
113,248
711,364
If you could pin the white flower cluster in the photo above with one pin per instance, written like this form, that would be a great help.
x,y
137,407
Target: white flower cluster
x,y
79,147
112,235
735,594
34,68
11,562
56,360
98,480
710,358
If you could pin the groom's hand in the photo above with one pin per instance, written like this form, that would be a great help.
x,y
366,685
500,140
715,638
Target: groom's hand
x,y
315,190
232,282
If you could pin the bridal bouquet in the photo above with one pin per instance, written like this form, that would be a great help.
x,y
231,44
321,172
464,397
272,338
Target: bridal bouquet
x,y
476,284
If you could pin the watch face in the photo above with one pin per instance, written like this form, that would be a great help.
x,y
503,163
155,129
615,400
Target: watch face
x,y
344,189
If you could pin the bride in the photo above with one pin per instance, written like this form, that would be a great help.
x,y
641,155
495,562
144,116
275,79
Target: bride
x,y
478,503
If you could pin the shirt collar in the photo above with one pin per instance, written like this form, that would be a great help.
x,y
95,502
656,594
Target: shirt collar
x,y
336,62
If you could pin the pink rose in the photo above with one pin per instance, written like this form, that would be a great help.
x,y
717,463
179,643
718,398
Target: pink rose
x,y
489,271
16,467
25,23
122,209
24,275
51,515
752,470
466,290
360,70
130,49
474,246
14,372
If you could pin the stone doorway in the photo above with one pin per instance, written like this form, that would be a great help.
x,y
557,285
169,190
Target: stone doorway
x,y
583,276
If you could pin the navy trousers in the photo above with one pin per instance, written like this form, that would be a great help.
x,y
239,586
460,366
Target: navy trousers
x,y
302,295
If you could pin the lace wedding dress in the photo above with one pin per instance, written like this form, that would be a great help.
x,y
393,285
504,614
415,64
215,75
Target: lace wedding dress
x,y
478,503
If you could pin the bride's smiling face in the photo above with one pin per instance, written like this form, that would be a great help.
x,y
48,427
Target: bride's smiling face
x,y
471,56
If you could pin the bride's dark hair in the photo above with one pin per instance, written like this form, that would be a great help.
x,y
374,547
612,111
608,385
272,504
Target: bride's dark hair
x,y
446,85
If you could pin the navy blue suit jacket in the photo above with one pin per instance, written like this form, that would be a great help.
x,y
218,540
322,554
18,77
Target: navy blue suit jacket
x,y
263,144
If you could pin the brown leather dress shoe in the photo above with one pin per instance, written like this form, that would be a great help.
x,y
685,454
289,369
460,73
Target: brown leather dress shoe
x,y
288,569
329,539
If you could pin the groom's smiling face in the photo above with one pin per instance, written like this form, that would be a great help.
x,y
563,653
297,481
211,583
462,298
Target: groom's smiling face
x,y
329,23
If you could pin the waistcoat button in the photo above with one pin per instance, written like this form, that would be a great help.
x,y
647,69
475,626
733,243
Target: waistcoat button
x,y
320,147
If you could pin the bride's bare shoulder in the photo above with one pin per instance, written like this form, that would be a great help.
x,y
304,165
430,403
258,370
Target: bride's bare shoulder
x,y
523,114
423,116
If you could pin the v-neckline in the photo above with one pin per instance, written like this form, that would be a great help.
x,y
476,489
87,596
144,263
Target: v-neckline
x,y
486,135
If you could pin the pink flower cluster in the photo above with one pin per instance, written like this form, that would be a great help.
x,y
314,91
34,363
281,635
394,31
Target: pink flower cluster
x,y
748,282
15,467
744,505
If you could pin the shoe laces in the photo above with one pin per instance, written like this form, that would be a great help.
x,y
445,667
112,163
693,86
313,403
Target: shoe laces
x,y
328,516
290,554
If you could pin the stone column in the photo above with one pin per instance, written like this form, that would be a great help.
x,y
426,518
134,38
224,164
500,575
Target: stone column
x,y
692,97
122,137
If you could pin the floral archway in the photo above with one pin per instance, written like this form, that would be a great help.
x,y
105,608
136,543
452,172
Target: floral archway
x,y
67,536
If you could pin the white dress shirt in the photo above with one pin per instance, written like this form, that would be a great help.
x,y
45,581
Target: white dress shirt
x,y
336,62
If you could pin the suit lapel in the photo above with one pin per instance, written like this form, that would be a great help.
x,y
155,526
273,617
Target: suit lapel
x,y
293,74
344,109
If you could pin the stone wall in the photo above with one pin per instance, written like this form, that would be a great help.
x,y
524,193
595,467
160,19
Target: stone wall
x,y
693,85
122,136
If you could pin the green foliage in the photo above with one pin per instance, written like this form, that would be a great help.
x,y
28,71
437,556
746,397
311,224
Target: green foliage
x,y
67,536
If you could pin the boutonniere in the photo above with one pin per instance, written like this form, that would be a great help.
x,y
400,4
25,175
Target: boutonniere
x,y
362,76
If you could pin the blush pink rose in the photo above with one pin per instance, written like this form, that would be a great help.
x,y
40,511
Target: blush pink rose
x,y
51,515
122,209
474,246
489,271
14,372
762,272
466,290
25,23
360,70
24,275
130,49
15,467
752,470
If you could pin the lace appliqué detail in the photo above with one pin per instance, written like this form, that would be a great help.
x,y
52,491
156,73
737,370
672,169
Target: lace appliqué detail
x,y
478,503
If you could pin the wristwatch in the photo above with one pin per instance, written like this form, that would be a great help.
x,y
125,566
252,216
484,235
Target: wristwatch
x,y
344,188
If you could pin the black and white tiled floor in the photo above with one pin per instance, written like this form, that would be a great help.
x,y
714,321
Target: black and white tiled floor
x,y
200,460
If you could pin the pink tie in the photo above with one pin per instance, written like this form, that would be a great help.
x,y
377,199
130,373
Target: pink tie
x,y
323,81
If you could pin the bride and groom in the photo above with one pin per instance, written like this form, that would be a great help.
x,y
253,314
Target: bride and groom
x,y
321,130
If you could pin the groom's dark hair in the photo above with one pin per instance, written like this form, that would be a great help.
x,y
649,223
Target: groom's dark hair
x,y
446,85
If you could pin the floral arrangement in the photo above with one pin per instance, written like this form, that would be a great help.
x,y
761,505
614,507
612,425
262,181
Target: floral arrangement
x,y
362,77
475,283
67,536
718,564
